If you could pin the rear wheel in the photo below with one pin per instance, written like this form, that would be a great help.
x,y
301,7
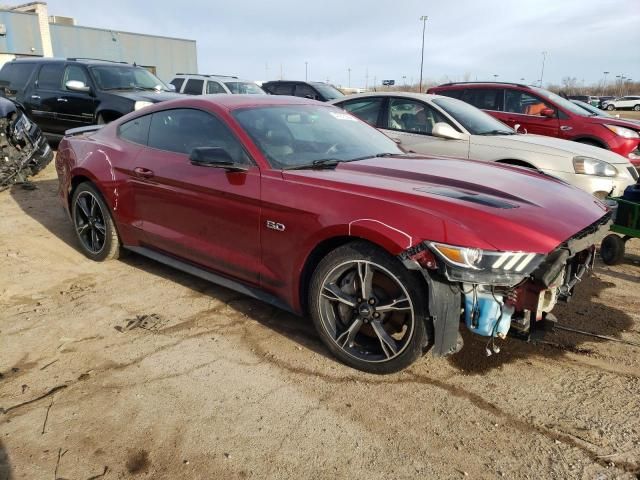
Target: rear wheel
x,y
637,108
612,249
94,226
610,107
368,309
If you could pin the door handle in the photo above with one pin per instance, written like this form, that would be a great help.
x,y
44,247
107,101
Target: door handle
x,y
62,100
141,172
35,97
566,128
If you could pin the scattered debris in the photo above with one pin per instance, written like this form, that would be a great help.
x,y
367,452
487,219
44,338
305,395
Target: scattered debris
x,y
49,364
24,387
83,376
104,472
28,402
60,455
138,462
44,425
151,322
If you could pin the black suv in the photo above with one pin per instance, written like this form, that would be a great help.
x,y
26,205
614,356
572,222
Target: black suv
x,y
60,94
314,90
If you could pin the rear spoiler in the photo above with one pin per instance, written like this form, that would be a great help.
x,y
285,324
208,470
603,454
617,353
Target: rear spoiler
x,y
80,130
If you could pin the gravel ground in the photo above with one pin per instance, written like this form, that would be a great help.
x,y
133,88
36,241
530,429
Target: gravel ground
x,y
129,369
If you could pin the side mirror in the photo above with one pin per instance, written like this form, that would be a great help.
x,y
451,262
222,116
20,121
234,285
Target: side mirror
x,y
444,130
215,157
548,112
171,87
77,86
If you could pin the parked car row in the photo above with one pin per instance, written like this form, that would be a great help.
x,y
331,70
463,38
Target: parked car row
x,y
388,218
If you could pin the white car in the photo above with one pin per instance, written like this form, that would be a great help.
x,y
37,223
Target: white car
x,y
438,125
622,103
200,84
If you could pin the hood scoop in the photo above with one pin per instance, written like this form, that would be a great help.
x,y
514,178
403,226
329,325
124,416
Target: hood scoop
x,y
466,196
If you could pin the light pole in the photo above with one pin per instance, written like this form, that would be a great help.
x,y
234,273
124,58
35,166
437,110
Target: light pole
x,y
423,19
306,71
544,57
404,81
495,76
604,86
349,84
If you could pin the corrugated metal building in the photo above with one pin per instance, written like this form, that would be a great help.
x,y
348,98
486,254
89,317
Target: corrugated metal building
x,y
28,30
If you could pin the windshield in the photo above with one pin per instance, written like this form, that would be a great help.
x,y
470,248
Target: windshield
x,y
329,92
561,102
116,77
594,111
474,120
245,88
298,135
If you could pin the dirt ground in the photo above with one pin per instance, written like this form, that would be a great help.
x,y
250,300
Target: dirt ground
x,y
129,369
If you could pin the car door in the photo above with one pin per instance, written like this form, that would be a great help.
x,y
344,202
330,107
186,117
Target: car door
x,y
214,87
42,101
76,109
194,86
205,215
410,122
525,109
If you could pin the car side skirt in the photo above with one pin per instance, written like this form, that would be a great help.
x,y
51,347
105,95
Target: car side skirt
x,y
211,277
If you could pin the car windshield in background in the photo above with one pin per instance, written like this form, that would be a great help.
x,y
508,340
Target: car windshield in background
x,y
562,102
113,77
295,136
594,111
327,91
474,120
245,88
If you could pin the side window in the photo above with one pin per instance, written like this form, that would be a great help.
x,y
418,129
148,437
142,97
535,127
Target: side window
x,y
74,72
524,103
50,76
451,93
15,76
214,87
282,89
182,130
485,98
412,116
366,109
136,130
305,91
193,87
177,82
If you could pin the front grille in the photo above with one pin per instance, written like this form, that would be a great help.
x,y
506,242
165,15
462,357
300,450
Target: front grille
x,y
634,173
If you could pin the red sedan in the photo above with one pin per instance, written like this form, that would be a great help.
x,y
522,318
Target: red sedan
x,y
304,206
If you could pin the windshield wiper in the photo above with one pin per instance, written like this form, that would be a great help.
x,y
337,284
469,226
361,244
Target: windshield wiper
x,y
497,132
317,164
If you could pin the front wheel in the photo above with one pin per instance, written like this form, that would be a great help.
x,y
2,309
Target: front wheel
x,y
612,249
94,226
610,107
368,309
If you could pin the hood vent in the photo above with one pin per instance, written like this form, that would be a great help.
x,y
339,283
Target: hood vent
x,y
479,198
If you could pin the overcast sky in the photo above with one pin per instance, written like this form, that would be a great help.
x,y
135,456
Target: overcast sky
x,y
480,38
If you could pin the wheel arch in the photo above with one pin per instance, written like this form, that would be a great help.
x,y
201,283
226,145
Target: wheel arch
x,y
518,163
588,139
79,177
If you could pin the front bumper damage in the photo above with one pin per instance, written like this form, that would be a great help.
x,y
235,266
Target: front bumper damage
x,y
495,307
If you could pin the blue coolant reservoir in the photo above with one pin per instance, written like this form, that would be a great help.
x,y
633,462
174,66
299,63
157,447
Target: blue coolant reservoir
x,y
482,315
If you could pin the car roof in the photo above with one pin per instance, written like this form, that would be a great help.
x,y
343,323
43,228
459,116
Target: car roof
x,y
233,102
85,61
482,84
412,95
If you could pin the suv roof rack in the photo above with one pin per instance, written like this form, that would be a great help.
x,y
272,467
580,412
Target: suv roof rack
x,y
75,59
207,75
488,81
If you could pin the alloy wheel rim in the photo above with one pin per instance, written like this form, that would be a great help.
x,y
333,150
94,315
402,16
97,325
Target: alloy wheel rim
x,y
367,311
89,222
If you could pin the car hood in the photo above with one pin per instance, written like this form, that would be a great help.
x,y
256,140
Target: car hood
x,y
149,96
614,121
483,205
550,146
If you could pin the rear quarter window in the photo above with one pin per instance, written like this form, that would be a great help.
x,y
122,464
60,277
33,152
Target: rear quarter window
x,y
194,86
136,130
450,93
14,76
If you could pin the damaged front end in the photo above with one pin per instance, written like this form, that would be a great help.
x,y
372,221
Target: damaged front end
x,y
499,293
24,151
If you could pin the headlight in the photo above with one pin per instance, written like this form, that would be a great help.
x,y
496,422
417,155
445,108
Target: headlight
x,y
141,104
623,132
593,166
464,264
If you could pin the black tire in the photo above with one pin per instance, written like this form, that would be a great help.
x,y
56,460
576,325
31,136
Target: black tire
x,y
359,332
612,249
610,107
637,108
92,221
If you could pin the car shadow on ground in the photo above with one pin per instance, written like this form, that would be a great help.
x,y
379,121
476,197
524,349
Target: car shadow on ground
x,y
581,313
5,464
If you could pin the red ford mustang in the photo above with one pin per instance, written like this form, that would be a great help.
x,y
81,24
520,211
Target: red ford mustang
x,y
304,206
